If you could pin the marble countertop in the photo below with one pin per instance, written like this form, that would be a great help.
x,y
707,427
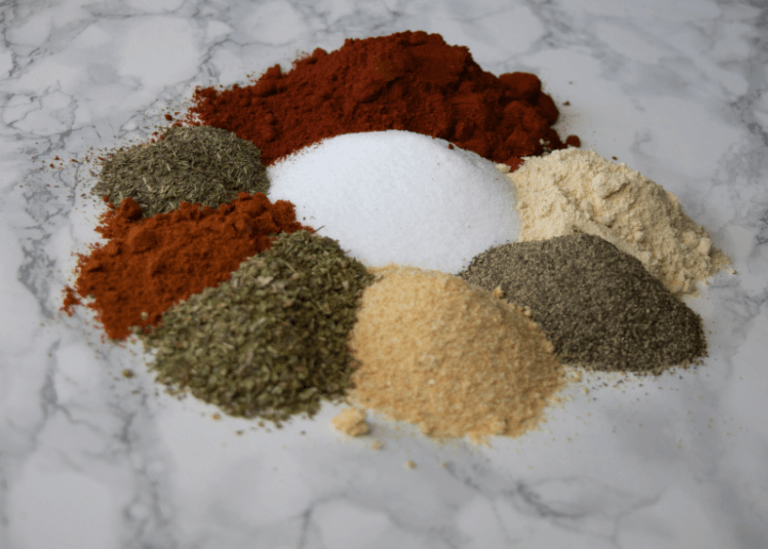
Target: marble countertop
x,y
89,459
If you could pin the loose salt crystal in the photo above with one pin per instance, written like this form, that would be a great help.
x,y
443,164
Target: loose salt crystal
x,y
398,196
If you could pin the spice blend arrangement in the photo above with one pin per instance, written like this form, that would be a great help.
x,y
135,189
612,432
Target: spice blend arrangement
x,y
569,259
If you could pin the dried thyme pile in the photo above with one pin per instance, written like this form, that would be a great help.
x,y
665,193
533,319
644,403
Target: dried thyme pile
x,y
272,340
198,164
597,305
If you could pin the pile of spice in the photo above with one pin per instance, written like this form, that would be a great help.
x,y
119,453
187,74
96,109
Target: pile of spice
x,y
400,197
272,340
579,191
149,264
450,357
199,165
405,81
598,305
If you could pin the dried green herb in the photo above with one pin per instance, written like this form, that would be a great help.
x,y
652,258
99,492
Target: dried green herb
x,y
272,340
198,164
597,305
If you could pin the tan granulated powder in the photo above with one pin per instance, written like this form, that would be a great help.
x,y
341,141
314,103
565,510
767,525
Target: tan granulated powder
x,y
450,357
572,191
351,421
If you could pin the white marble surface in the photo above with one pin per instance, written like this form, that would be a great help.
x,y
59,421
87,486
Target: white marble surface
x,y
677,90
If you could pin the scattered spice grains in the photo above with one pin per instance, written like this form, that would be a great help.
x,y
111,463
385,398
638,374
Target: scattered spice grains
x,y
457,357
351,421
448,356
71,299
579,191
598,305
198,164
272,340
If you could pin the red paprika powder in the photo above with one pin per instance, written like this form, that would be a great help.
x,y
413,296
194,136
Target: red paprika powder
x,y
149,264
406,81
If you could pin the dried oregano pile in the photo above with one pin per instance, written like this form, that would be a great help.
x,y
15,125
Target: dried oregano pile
x,y
197,164
598,305
272,340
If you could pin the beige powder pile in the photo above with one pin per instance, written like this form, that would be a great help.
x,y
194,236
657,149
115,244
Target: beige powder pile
x,y
450,357
572,191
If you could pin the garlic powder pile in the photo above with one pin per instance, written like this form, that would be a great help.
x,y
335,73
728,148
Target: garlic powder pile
x,y
572,191
450,357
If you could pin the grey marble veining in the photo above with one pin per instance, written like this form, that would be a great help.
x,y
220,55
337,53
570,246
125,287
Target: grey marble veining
x,y
677,90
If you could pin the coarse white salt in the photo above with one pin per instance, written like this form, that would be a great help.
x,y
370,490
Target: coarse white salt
x,y
398,196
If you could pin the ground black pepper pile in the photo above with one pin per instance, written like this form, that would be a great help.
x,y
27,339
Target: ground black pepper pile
x,y
598,306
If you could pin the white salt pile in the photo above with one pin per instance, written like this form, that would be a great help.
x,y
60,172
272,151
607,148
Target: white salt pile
x,y
402,197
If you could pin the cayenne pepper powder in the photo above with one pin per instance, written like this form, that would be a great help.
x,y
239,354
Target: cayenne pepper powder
x,y
149,264
405,81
